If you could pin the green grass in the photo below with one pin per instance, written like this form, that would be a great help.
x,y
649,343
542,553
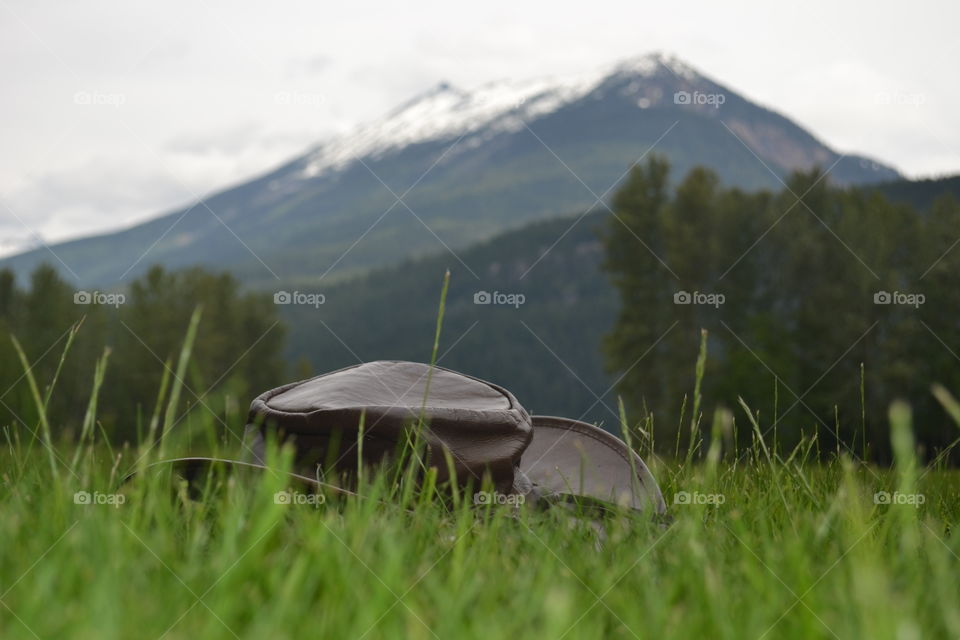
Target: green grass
x,y
771,544
797,549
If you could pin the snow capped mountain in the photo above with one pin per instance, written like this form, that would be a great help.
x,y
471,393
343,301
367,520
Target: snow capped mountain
x,y
445,112
470,164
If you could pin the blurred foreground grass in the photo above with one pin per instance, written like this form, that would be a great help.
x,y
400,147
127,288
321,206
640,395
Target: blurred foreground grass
x,y
761,543
758,547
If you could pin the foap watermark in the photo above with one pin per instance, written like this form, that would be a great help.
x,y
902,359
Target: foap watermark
x,y
899,297
297,498
299,99
495,497
511,299
695,497
699,297
913,499
98,99
96,498
299,297
99,297
699,98
900,98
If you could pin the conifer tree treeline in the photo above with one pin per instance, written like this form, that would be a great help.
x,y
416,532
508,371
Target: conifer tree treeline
x,y
796,289
237,350
815,281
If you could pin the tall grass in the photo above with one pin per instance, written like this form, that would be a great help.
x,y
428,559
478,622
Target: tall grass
x,y
761,544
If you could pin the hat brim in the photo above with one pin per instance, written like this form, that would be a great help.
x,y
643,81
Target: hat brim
x,y
564,458
572,458
196,468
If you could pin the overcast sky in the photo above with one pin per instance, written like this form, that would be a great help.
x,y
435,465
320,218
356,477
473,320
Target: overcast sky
x,y
114,112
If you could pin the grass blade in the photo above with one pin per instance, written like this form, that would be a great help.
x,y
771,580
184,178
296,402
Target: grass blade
x,y
41,406
178,383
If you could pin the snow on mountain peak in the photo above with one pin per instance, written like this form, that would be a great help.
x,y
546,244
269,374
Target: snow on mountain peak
x,y
447,112
650,63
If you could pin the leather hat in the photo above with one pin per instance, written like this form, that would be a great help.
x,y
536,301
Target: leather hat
x,y
481,425
573,458
376,406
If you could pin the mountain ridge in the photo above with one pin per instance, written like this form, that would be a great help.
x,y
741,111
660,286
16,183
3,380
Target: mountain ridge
x,y
551,341
451,167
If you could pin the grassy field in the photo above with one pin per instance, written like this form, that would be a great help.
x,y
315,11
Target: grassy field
x,y
758,543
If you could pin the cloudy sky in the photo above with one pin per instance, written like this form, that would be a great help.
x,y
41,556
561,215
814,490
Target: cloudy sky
x,y
114,112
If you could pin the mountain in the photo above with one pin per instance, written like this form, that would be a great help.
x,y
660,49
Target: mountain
x,y
921,194
567,306
546,350
467,165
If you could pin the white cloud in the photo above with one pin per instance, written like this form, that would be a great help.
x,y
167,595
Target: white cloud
x,y
187,98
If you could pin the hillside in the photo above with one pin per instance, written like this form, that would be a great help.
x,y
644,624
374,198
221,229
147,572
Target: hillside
x,y
468,165
569,305
920,193
391,314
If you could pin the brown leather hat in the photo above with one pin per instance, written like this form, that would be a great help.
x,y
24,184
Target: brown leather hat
x,y
572,458
482,426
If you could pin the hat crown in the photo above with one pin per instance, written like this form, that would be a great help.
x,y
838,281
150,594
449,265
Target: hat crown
x,y
482,425
395,384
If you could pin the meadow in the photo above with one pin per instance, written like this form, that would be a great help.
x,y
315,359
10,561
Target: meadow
x,y
758,542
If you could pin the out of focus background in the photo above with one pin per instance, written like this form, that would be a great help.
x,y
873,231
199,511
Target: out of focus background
x,y
602,183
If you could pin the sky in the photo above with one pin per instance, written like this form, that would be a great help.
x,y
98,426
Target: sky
x,y
115,112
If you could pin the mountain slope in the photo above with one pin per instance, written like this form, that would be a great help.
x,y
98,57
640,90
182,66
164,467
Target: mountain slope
x,y
546,350
467,165
922,194
568,305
